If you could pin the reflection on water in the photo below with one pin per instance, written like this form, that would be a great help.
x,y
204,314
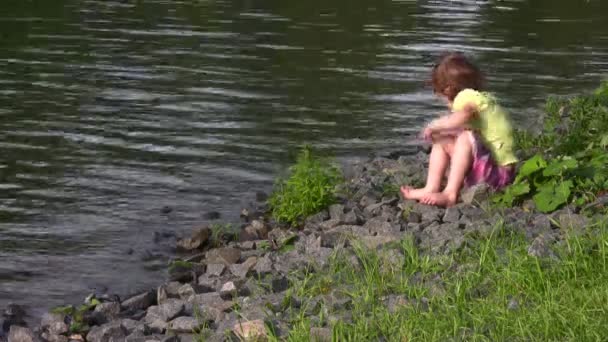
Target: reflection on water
x,y
111,110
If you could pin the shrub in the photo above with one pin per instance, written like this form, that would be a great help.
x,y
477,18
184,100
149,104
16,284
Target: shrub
x,y
571,164
308,188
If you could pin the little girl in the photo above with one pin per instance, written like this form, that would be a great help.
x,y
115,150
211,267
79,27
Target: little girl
x,y
475,139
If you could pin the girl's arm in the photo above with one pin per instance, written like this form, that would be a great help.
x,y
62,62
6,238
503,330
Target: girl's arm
x,y
455,120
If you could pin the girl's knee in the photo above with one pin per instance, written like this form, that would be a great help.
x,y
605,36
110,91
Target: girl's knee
x,y
464,138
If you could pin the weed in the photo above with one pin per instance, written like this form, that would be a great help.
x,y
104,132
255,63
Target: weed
x,y
571,161
308,189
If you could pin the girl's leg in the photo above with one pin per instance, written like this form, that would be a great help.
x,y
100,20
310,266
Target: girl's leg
x,y
462,159
438,163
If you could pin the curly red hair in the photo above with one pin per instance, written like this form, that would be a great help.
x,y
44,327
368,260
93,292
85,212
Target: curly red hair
x,y
454,73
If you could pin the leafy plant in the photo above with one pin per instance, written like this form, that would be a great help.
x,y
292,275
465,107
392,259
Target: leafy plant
x,y
570,163
308,189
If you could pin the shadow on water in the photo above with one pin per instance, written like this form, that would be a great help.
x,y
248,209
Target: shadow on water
x,y
112,110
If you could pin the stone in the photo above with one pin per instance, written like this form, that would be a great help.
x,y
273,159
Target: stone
x,y
539,247
330,224
110,310
242,270
131,325
247,246
353,217
165,312
248,234
396,302
139,302
379,226
228,291
161,295
215,270
572,221
109,332
279,284
513,304
260,228
173,338
54,324
413,217
185,291
54,338
224,255
197,240
211,299
376,242
263,266
336,212
475,194
317,218
321,334
184,325
210,284
212,215
250,331
21,334
451,215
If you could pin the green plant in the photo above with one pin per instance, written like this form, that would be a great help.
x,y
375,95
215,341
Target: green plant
x,y
570,165
308,189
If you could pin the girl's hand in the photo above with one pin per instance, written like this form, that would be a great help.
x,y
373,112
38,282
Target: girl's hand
x,y
427,134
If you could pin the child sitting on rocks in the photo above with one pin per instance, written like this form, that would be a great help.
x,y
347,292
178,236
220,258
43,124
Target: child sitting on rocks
x,y
475,139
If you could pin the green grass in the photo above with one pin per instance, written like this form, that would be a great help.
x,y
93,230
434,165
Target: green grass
x,y
308,189
491,290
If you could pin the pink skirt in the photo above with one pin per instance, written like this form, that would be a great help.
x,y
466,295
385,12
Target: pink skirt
x,y
485,169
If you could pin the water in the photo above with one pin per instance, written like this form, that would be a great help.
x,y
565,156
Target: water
x,y
111,110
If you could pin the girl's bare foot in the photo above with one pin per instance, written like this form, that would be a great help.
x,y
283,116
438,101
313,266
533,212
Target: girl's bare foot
x,y
440,199
414,194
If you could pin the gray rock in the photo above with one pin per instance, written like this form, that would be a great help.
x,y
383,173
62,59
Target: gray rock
x,y
171,339
321,334
211,284
353,217
429,213
198,239
54,324
215,270
242,270
184,325
185,291
111,332
330,224
540,247
476,194
263,266
376,242
139,302
211,299
260,228
317,218
110,310
228,290
413,217
380,226
21,334
279,284
336,211
131,325
572,221
224,255
513,304
451,215
54,338
165,312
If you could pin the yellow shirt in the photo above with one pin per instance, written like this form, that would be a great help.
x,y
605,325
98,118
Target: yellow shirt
x,y
492,123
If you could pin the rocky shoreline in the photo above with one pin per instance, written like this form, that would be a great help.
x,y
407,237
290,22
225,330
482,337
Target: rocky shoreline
x,y
237,286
